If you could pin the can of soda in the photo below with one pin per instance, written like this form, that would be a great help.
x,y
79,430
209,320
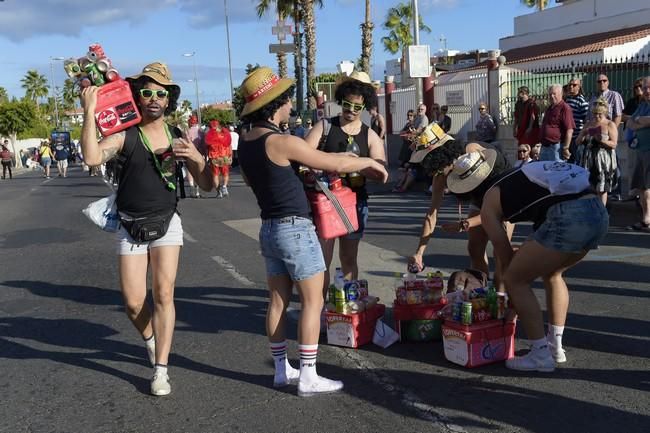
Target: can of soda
x,y
466,313
363,288
456,309
352,291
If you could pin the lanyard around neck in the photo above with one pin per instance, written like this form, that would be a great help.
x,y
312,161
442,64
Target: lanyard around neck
x,y
170,185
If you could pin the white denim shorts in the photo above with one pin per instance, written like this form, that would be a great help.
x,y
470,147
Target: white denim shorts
x,y
126,246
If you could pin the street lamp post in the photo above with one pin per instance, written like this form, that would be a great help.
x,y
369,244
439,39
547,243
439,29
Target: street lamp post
x,y
196,86
56,103
225,9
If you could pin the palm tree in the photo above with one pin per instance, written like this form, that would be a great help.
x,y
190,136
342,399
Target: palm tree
x,y
398,22
35,85
284,9
366,40
539,4
309,24
69,95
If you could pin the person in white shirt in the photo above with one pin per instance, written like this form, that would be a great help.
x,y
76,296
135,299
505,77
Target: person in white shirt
x,y
234,141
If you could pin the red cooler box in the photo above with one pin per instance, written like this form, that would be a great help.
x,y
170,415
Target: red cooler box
x,y
353,330
479,343
409,312
327,221
116,108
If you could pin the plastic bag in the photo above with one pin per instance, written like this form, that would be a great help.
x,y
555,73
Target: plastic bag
x,y
103,213
384,335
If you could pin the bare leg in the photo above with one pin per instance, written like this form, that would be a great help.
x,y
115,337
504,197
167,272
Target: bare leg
x,y
477,241
603,197
311,300
531,261
348,253
327,245
279,295
644,200
164,265
133,281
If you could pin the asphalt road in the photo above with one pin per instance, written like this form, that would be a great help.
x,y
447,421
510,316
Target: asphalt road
x,y
71,362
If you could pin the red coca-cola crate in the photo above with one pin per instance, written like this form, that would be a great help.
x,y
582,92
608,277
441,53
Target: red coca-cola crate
x,y
326,219
403,313
353,330
479,343
116,109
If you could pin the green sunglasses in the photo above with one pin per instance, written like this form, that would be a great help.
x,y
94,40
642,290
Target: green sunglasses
x,y
351,106
148,93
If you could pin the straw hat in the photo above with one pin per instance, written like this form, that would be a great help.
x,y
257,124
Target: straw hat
x,y
261,87
355,75
158,72
432,137
470,170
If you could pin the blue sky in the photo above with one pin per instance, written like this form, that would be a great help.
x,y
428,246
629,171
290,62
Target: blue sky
x,y
136,32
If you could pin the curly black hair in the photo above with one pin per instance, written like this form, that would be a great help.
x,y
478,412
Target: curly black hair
x,y
442,157
268,111
355,87
174,92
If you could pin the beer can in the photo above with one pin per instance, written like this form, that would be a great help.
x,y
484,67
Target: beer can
x,y
340,300
363,288
456,309
466,313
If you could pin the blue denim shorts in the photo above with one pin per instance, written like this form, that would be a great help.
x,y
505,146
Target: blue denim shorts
x,y
574,226
290,246
362,216
550,152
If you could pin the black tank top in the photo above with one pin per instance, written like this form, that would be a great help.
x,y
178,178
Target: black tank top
x,y
278,189
524,200
337,141
141,190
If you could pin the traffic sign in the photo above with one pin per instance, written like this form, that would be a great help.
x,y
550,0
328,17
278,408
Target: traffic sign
x,y
281,48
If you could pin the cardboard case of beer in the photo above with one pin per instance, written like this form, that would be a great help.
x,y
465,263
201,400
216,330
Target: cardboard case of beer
x,y
116,108
479,343
353,330
408,317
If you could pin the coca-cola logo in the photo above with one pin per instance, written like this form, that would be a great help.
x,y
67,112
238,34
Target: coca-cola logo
x,y
107,119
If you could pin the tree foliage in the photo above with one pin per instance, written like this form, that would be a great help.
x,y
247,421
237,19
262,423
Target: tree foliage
x,y
35,85
211,113
16,117
398,23
539,4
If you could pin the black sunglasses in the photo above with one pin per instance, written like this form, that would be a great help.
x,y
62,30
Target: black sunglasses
x,y
602,81
148,93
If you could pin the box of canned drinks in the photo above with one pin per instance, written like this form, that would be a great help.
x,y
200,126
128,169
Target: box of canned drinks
x,y
479,343
353,330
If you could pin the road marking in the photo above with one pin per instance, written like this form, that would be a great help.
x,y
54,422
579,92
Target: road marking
x,y
406,397
230,268
613,257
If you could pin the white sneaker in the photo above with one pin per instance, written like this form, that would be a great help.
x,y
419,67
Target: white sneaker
x,y
219,193
558,353
320,386
160,384
535,360
224,191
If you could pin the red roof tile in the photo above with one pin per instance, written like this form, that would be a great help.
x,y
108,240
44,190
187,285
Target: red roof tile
x,y
579,45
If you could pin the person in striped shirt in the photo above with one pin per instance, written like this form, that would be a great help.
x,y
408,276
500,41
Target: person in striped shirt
x,y
580,107
613,98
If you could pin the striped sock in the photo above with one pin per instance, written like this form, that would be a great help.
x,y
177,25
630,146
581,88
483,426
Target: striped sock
x,y
308,355
279,354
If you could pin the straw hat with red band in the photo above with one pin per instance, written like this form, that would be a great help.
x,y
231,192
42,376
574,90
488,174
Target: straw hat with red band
x,y
261,87
360,76
470,170
432,137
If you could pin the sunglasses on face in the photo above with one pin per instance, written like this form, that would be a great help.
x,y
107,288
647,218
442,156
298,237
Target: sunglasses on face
x,y
481,108
574,85
148,93
351,106
602,81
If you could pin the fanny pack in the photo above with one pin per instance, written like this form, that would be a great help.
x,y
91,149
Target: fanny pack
x,y
147,228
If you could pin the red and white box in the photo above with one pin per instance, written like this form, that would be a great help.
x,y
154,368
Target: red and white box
x,y
408,312
116,109
353,330
326,219
479,343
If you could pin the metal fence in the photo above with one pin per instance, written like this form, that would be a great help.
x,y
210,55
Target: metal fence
x,y
621,73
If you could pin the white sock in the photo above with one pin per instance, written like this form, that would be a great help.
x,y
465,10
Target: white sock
x,y
150,343
160,369
555,335
283,369
308,355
